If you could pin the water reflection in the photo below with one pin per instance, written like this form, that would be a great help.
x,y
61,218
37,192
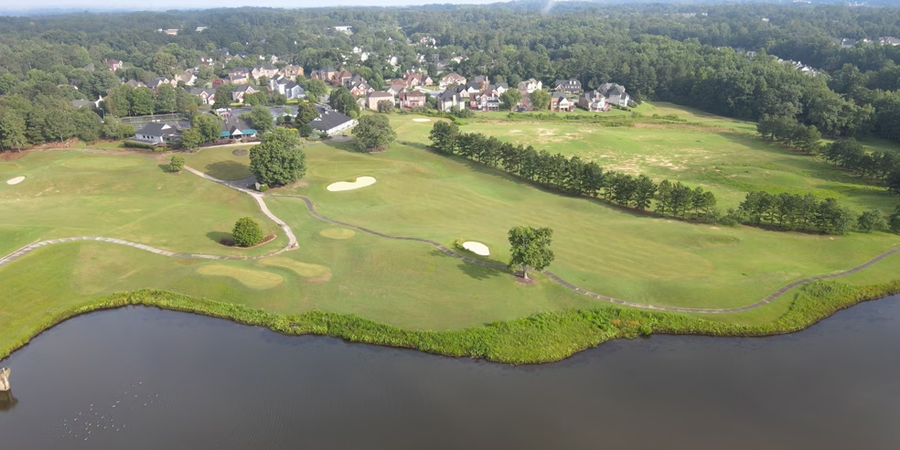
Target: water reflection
x,y
7,401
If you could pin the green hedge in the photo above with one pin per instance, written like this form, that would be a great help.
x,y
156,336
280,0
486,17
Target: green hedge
x,y
138,144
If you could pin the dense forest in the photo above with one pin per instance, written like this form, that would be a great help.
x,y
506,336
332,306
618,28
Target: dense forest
x,y
724,59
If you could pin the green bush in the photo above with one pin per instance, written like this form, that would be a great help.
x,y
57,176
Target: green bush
x,y
247,232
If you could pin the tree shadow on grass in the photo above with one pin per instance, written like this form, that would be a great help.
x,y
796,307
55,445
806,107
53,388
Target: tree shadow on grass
x,y
164,167
228,170
220,237
479,272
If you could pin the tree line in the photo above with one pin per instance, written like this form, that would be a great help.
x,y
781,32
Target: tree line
x,y
882,166
797,212
576,176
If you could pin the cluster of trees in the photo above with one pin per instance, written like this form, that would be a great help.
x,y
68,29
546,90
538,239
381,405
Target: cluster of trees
x,y
788,131
125,100
575,175
850,154
344,102
797,212
23,124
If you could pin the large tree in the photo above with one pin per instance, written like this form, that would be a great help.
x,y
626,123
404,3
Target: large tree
x,y
343,101
260,119
443,136
540,100
12,131
223,96
247,232
166,99
315,89
511,98
191,138
208,127
530,247
373,133
278,159
306,112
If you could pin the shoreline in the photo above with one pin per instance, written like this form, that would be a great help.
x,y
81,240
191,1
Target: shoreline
x,y
537,339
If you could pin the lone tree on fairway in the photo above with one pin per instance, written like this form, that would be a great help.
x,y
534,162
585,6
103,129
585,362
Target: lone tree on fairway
x,y
530,247
373,133
176,163
246,232
278,160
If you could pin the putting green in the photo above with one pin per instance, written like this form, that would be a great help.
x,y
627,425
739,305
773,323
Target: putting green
x,y
338,233
101,162
254,279
303,269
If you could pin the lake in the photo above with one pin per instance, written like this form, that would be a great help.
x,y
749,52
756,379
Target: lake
x,y
141,378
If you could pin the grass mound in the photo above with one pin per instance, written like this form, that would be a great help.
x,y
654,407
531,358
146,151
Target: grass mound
x,y
303,269
253,279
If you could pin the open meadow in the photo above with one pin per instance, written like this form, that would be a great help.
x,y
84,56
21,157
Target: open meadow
x,y
418,193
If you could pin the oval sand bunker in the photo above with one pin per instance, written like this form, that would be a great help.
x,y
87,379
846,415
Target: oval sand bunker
x,y
360,182
15,180
477,248
421,120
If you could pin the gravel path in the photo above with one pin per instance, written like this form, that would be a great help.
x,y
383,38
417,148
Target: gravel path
x,y
241,185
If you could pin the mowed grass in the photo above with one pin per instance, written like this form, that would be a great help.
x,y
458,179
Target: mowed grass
x,y
222,163
402,283
721,155
121,196
598,247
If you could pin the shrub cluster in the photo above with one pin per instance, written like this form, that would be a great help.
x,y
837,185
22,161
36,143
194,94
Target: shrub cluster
x,y
789,131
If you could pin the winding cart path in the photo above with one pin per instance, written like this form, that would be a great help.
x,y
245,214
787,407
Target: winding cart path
x,y
240,185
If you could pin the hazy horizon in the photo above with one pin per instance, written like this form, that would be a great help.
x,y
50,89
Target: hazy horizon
x,y
163,5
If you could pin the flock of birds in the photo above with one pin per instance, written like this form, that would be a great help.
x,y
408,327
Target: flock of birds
x,y
110,416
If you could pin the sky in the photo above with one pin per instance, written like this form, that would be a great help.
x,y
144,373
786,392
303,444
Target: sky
x,y
204,4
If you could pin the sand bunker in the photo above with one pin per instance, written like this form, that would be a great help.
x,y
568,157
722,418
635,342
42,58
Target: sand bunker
x,y
477,248
338,233
421,120
15,180
360,182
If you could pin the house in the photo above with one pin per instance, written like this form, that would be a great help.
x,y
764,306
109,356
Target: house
x,y
360,87
331,122
344,29
482,81
530,85
525,103
342,78
158,133
207,95
114,64
266,70
169,31
378,96
559,102
497,89
568,86
325,74
291,90
450,100
473,87
451,79
135,83
486,101
412,99
235,128
615,94
292,71
239,75
396,87
187,77
414,79
239,92
207,61
593,101
159,81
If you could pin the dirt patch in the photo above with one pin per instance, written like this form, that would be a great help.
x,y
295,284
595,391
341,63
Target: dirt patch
x,y
524,281
240,152
228,242
10,156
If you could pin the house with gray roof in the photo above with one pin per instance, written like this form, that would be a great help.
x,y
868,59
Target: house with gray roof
x,y
157,133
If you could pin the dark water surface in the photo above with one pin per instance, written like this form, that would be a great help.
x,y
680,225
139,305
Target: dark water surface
x,y
141,378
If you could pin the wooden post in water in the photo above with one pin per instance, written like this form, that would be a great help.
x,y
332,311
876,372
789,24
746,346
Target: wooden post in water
x,y
4,379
